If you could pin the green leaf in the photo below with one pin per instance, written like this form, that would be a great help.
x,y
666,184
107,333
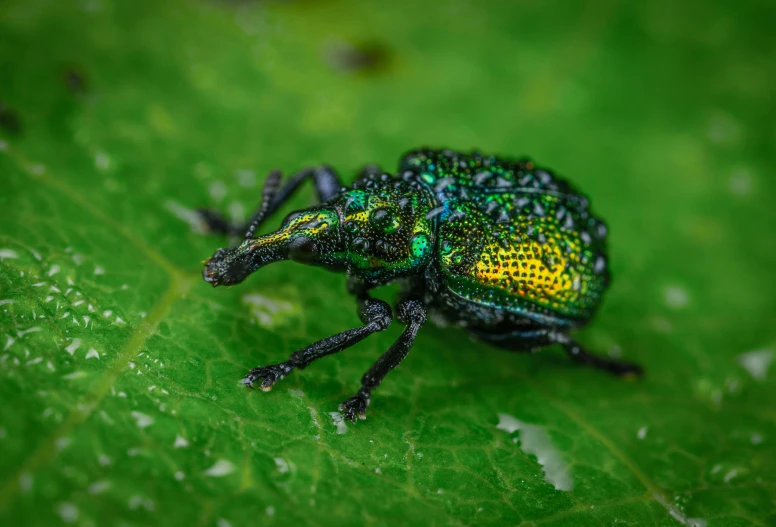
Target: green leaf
x,y
120,367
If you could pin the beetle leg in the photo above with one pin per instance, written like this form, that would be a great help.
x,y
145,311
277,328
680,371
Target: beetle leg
x,y
535,339
326,183
376,316
411,312
581,356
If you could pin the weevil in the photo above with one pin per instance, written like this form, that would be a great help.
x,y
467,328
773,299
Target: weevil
x,y
501,247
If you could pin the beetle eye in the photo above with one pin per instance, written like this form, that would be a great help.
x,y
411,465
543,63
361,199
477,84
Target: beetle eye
x,y
302,249
385,220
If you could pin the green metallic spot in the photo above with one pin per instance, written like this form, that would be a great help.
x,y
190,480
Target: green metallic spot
x,y
356,201
419,246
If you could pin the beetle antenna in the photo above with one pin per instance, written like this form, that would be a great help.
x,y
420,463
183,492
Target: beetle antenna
x,y
271,185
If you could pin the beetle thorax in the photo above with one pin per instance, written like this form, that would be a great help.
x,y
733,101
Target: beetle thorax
x,y
386,229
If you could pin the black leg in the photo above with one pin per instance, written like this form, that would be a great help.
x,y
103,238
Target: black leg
x,y
530,340
581,356
534,339
410,312
376,316
326,182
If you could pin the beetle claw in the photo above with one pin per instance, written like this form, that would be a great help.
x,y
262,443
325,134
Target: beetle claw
x,y
355,407
268,375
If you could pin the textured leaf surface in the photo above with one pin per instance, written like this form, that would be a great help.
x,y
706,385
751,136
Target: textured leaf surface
x,y
119,366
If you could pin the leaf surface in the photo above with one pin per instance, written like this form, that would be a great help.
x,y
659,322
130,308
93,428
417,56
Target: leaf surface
x,y
120,367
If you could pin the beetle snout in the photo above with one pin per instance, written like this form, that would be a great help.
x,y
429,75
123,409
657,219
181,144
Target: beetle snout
x,y
209,274
214,268
225,267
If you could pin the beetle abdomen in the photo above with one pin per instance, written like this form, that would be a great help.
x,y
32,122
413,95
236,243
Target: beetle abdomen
x,y
513,236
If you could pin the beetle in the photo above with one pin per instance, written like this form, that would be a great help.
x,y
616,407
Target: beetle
x,y
501,247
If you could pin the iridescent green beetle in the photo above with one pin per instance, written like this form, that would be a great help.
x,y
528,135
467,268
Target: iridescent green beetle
x,y
501,247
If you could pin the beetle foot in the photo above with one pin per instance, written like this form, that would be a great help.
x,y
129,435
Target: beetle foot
x,y
269,375
355,407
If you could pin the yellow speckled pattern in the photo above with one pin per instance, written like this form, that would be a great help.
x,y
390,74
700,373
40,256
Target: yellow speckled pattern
x,y
309,223
521,270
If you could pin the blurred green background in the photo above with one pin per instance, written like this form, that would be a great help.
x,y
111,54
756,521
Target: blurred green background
x,y
119,366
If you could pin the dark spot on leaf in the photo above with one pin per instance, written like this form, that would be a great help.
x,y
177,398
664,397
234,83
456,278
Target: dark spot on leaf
x,y
9,119
75,80
365,57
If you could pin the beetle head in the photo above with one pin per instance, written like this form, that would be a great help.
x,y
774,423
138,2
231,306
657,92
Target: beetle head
x,y
379,229
312,237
